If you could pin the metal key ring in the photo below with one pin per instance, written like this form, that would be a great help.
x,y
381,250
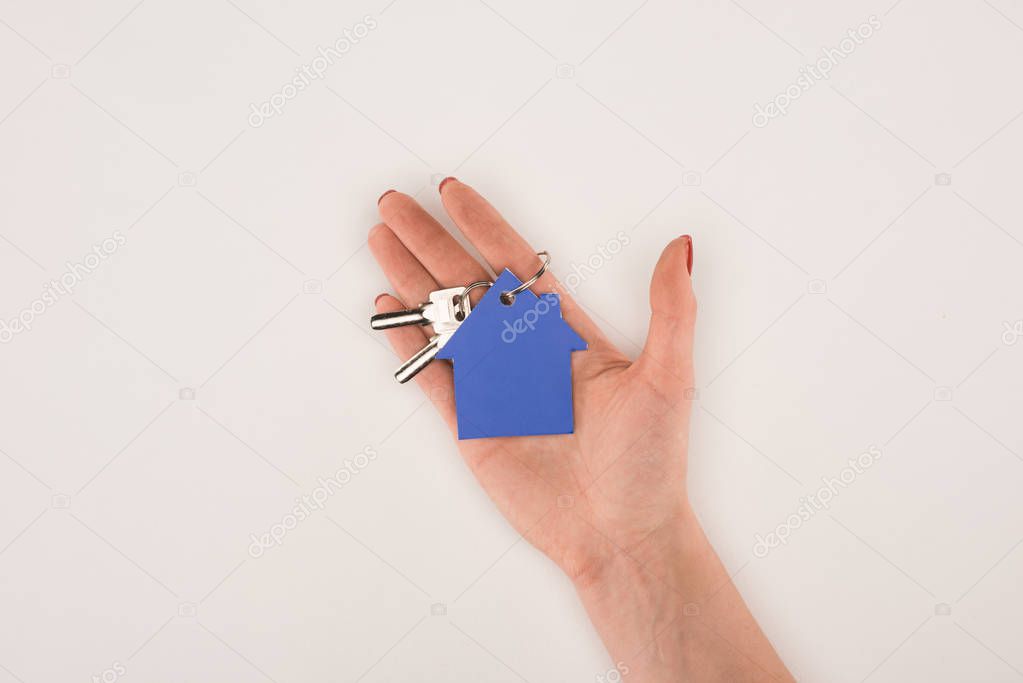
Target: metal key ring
x,y
469,288
509,297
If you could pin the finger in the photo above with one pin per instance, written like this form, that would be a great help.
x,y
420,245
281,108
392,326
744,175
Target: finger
x,y
441,254
502,247
667,357
405,273
436,378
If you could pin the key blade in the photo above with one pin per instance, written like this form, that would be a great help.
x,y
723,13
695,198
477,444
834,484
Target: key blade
x,y
419,360
386,321
445,311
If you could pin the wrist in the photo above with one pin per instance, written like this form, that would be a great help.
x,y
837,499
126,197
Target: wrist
x,y
661,608
661,556
637,598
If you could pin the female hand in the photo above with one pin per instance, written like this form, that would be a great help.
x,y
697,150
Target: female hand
x,y
607,503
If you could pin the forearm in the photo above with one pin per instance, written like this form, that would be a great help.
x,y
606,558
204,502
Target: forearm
x,y
668,611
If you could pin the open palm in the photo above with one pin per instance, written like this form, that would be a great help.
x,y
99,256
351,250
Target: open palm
x,y
607,488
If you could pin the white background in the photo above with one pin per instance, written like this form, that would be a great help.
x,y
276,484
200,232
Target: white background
x,y
209,371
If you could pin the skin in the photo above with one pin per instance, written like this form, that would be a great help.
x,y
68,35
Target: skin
x,y
607,504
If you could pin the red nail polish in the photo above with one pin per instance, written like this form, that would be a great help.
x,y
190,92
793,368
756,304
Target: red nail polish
x,y
440,188
689,253
384,195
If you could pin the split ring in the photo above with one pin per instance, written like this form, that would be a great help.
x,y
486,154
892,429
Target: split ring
x,y
508,298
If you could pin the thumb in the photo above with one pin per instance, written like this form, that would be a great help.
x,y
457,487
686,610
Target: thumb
x,y
668,355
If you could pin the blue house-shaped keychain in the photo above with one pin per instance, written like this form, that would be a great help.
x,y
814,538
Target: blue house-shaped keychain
x,y
512,364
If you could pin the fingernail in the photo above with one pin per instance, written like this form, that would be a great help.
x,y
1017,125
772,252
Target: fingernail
x,y
379,297
383,195
689,253
440,188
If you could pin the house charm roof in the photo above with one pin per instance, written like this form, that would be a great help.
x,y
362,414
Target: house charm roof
x,y
512,363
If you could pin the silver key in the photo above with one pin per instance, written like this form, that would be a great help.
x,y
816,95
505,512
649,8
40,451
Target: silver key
x,y
445,310
445,307
423,357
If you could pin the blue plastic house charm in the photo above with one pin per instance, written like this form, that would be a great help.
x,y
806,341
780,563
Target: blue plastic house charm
x,y
513,369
